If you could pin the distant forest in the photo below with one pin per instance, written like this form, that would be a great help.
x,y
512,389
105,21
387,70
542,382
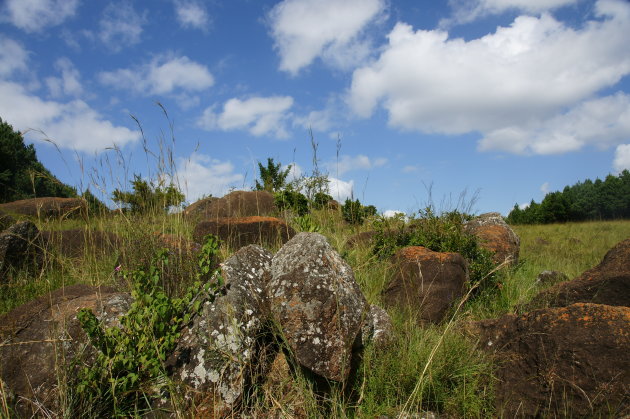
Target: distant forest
x,y
607,199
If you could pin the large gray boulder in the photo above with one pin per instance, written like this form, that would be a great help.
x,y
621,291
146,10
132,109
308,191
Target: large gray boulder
x,y
317,304
41,338
217,356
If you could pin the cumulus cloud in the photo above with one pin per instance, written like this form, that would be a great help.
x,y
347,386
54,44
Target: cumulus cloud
x,y
544,188
359,162
339,189
257,115
465,11
513,81
121,25
393,213
622,158
161,76
200,175
191,14
73,125
332,30
13,56
69,82
37,15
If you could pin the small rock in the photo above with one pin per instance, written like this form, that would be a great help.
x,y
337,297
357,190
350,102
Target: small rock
x,y
548,277
496,236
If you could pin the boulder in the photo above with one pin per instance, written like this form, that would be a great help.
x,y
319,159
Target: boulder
x,y
6,221
426,282
377,329
217,356
550,277
19,249
78,242
234,204
606,283
242,231
496,236
317,304
49,207
40,338
561,362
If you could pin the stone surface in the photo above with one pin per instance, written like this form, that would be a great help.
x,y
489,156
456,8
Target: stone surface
x,y
426,282
19,249
234,204
218,355
606,283
6,221
40,338
78,242
377,329
561,362
49,207
242,231
550,277
496,236
317,304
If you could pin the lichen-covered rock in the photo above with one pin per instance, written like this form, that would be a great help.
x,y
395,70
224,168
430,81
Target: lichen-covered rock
x,y
561,362
318,304
47,207
6,221
234,204
496,236
377,328
607,283
217,356
40,338
79,242
241,231
550,277
19,249
426,282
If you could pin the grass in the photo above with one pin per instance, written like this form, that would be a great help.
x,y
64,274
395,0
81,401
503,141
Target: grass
x,y
433,368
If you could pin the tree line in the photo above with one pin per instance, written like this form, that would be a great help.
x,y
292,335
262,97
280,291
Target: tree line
x,y
607,199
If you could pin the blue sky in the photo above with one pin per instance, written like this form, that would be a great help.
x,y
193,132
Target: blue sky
x,y
502,99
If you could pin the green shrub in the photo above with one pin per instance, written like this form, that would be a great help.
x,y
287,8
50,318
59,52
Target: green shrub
x,y
321,200
307,224
129,368
291,200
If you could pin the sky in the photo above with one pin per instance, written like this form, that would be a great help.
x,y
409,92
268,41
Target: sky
x,y
481,104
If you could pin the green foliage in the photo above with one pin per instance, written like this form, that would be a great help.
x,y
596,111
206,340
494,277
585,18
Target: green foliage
x,y
272,177
292,200
95,205
147,197
355,213
441,233
307,224
588,200
321,200
22,176
130,361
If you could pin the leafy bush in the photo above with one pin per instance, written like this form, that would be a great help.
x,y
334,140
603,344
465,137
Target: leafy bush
x,y
291,200
129,364
443,233
321,200
355,213
147,196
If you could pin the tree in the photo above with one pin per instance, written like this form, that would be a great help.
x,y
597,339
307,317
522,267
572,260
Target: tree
x,y
273,177
147,197
22,176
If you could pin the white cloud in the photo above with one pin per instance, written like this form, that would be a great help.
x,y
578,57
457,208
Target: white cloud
x,y
505,84
69,83
37,15
330,29
12,56
359,162
544,188
394,213
622,158
72,125
191,14
201,175
161,76
339,189
410,169
465,11
121,25
258,115
524,206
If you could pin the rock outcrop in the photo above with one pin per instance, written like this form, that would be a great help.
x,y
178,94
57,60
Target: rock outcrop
x,y
561,362
426,282
317,304
606,283
78,242
219,354
19,249
242,231
49,207
6,221
496,236
40,338
234,204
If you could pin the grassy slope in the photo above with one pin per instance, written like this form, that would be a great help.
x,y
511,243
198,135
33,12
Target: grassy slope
x,y
432,368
